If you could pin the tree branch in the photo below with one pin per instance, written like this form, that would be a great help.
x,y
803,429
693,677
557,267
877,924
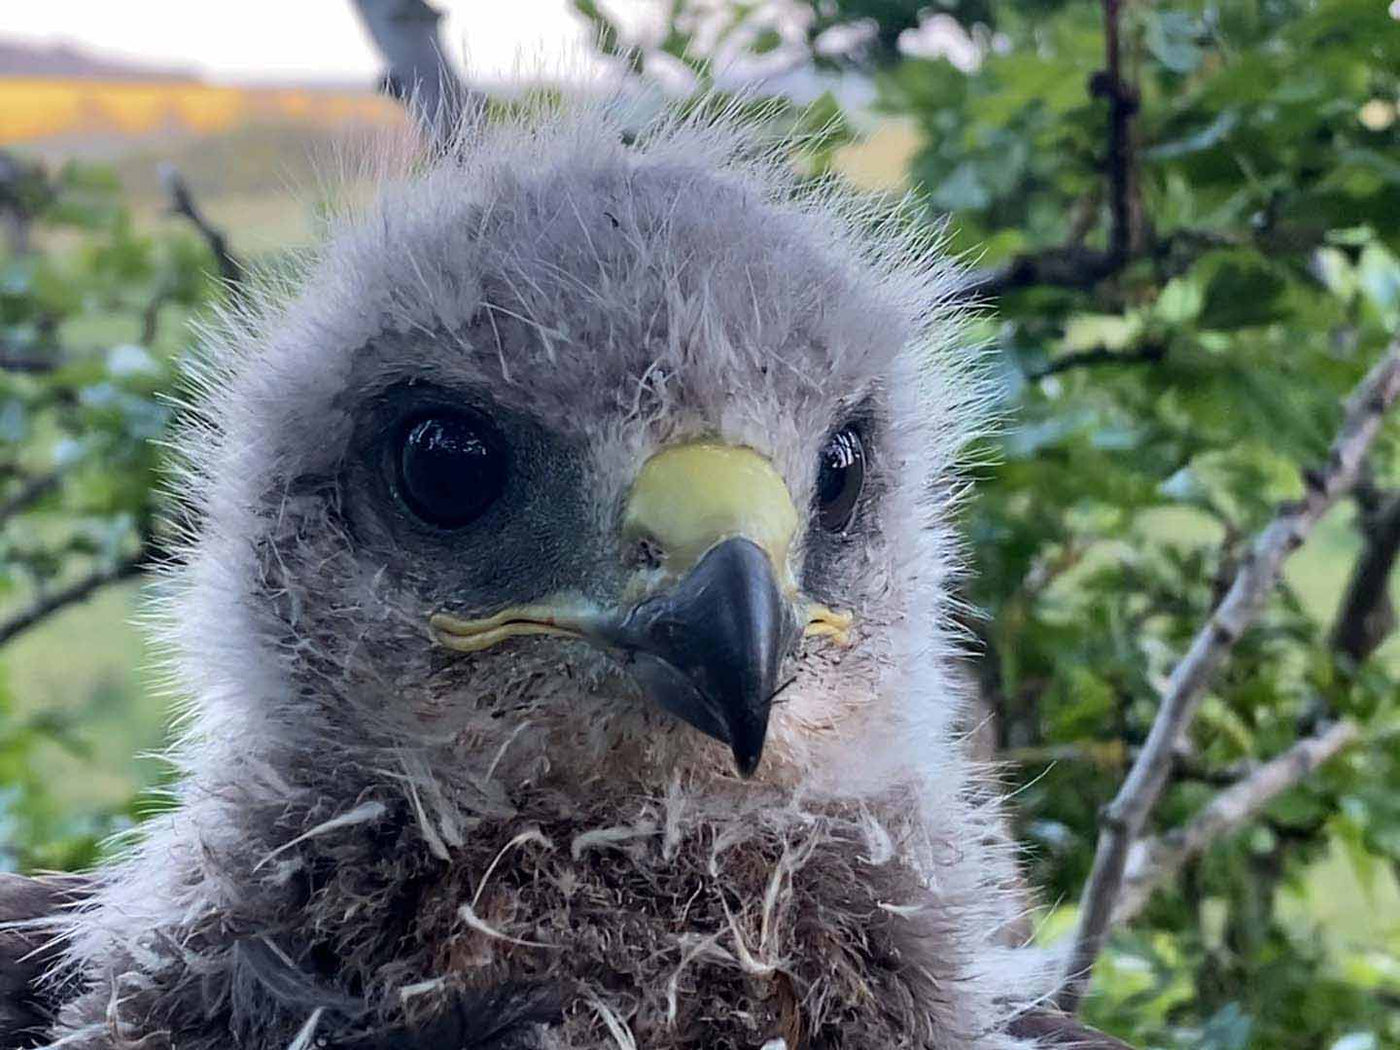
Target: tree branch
x,y
418,74
1122,105
30,492
182,203
1125,817
1366,616
1153,861
81,588
1073,265
1147,354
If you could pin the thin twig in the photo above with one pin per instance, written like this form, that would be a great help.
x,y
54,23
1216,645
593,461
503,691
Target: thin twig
x,y
125,569
30,492
1125,817
1154,861
182,203
1147,354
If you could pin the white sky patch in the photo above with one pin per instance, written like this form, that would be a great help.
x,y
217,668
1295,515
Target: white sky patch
x,y
296,40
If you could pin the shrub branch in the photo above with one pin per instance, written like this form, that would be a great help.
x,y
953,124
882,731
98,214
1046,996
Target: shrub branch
x,y
1125,817
1153,861
70,594
182,202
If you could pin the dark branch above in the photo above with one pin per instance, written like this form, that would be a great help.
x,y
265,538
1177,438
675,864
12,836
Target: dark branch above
x,y
1074,265
182,203
417,73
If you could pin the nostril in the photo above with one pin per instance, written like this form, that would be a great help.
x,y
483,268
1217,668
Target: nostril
x,y
646,553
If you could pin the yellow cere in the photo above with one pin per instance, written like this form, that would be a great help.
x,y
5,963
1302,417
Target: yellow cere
x,y
687,498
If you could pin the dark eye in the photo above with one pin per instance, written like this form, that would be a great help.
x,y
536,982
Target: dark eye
x,y
840,479
451,468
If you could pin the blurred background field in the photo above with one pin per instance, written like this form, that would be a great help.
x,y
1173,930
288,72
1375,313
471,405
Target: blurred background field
x,y
1131,479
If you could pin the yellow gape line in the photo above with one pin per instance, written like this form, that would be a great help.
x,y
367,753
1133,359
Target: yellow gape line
x,y
471,636
823,622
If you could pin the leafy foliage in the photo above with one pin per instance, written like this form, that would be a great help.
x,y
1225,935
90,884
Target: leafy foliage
x,y
1157,417
89,312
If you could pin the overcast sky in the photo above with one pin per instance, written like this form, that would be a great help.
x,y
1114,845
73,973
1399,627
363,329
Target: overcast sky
x,y
289,40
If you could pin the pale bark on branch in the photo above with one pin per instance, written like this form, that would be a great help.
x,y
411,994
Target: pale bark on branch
x,y
1125,817
1154,861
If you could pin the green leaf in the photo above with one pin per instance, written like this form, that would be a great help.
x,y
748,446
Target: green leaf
x,y
1171,39
1242,291
963,189
1179,301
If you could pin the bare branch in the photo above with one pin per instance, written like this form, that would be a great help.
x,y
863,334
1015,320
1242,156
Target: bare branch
x,y
1147,354
1125,817
30,492
1153,861
418,74
182,203
81,588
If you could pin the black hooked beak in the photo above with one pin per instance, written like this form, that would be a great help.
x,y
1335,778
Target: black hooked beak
x,y
710,650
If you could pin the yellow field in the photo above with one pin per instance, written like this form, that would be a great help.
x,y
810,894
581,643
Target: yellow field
x,y
38,107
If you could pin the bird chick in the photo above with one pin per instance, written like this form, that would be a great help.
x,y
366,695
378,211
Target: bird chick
x,y
566,627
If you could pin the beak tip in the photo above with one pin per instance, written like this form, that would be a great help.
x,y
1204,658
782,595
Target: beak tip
x,y
746,762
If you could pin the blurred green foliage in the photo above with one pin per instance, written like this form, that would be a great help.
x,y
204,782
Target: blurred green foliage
x,y
92,312
1157,417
